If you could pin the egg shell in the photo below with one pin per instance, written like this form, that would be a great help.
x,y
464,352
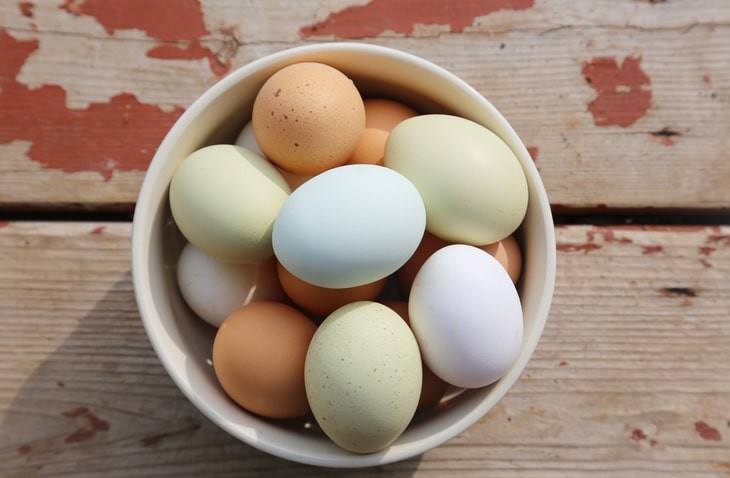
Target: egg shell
x,y
381,116
258,358
363,376
308,117
466,315
507,252
349,226
224,199
472,183
433,388
213,289
322,301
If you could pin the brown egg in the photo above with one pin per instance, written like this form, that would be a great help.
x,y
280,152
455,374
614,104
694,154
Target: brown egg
x,y
507,252
294,180
381,116
258,357
308,117
322,301
432,387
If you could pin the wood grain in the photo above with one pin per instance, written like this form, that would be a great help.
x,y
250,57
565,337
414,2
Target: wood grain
x,y
631,377
623,103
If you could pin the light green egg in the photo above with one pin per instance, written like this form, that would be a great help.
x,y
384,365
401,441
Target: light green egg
x,y
472,184
363,376
224,199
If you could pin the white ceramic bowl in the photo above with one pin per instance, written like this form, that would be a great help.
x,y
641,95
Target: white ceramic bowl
x,y
183,342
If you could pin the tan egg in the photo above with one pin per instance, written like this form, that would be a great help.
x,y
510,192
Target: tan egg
x,y
258,357
507,252
322,301
381,116
432,387
294,180
308,117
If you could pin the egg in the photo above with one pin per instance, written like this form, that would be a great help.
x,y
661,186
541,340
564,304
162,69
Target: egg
x,y
308,117
213,289
247,139
363,376
258,358
322,301
349,226
432,387
466,315
507,252
381,116
472,183
224,199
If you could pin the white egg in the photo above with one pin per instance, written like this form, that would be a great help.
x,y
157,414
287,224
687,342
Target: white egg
x,y
247,139
467,317
349,226
214,289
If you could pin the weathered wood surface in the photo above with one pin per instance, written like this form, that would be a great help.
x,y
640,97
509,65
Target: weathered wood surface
x,y
623,103
631,377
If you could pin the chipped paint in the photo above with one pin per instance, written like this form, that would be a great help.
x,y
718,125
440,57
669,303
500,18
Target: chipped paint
x,y
120,135
402,16
623,90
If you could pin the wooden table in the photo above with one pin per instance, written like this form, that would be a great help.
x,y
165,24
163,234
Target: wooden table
x,y
625,105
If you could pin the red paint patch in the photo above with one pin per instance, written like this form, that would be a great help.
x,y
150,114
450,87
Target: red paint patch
x,y
623,93
562,363
608,236
707,432
26,9
98,230
24,449
722,239
586,248
651,250
89,425
533,150
121,135
164,20
4,224
193,51
706,79
400,16
638,434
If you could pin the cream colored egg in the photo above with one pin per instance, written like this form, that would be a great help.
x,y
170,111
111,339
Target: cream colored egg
x,y
472,184
363,376
224,199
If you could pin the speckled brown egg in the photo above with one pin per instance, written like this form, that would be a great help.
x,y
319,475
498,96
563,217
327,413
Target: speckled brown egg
x,y
308,117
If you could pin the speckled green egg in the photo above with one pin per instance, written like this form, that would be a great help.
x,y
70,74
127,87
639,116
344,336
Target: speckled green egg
x,y
363,376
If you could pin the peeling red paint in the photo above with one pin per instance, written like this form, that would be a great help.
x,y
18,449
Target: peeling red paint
x,y
4,224
98,230
24,449
722,239
623,91
706,79
26,9
562,363
707,264
153,17
638,434
533,150
400,16
707,432
608,236
706,250
120,135
586,248
193,51
90,424
651,249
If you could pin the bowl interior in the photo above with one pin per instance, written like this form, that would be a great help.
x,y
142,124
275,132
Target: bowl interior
x,y
184,342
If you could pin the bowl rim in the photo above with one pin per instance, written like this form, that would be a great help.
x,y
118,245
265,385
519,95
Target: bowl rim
x,y
144,218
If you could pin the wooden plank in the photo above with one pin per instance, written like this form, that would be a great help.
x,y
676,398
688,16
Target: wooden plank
x,y
631,377
623,103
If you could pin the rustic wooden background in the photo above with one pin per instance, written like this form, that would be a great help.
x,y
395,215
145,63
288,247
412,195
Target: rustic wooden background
x,y
623,104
